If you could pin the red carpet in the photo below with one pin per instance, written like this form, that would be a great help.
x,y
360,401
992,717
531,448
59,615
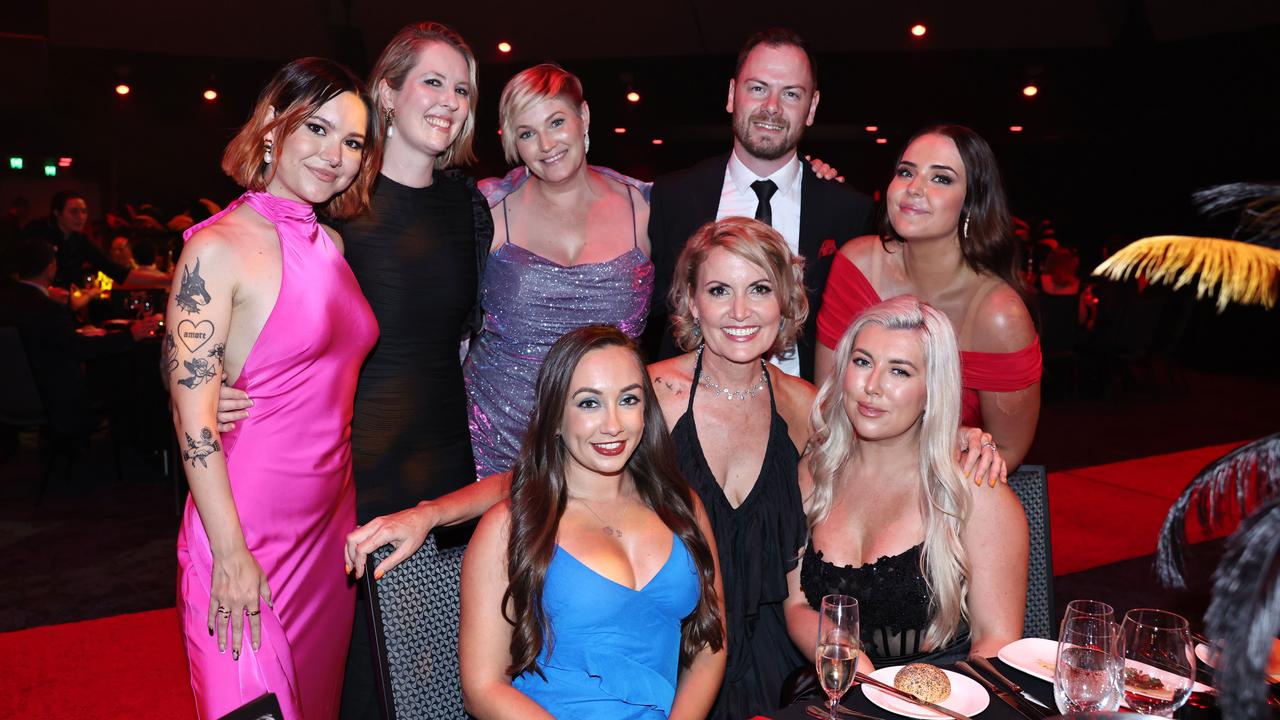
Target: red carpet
x,y
127,666
1107,513
133,666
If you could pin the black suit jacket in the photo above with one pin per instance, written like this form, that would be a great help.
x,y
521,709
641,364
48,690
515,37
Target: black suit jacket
x,y
684,201
55,352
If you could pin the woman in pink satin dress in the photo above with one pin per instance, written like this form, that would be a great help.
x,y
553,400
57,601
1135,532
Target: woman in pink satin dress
x,y
265,296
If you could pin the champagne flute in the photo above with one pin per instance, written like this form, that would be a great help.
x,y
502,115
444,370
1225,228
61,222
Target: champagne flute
x,y
1159,665
838,647
1089,673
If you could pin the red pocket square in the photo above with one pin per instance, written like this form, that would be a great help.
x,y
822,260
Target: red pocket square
x,y
828,248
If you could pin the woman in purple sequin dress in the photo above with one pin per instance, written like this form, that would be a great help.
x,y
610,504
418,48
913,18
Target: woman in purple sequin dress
x,y
569,249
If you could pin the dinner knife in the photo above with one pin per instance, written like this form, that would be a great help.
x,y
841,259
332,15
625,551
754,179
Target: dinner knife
x,y
909,697
1041,709
1008,698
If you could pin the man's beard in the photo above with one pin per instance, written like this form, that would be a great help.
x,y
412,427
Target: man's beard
x,y
766,149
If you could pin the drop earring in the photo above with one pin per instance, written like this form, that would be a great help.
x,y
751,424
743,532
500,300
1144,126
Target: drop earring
x,y
964,231
266,151
390,115
586,142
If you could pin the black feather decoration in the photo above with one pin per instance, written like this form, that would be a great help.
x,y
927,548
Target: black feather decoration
x,y
1227,488
1244,614
1257,203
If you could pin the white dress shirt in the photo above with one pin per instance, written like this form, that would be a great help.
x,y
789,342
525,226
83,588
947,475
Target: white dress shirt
x,y
737,198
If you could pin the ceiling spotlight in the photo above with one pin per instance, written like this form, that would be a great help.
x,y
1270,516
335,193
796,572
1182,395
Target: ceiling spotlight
x,y
871,128
657,141
504,47
122,89
620,131
1030,90
882,141
919,30
210,94
633,96
1015,128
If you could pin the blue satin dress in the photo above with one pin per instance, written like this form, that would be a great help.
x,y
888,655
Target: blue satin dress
x,y
616,651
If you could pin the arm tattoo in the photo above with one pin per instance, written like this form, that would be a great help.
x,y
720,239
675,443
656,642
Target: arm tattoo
x,y
195,335
192,296
203,369
169,362
200,450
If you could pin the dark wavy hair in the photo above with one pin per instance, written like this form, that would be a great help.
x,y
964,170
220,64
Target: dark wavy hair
x,y
539,496
989,245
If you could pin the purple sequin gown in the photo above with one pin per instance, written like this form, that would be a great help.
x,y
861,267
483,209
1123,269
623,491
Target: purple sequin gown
x,y
529,302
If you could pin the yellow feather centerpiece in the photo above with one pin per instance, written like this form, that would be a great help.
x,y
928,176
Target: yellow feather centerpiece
x,y
1241,272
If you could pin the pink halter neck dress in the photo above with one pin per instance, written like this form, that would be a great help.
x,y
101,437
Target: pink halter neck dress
x,y
289,465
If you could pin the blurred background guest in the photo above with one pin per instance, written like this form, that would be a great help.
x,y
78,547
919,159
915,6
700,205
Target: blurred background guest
x,y
79,259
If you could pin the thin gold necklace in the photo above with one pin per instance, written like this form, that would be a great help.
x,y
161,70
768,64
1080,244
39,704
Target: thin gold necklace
x,y
606,527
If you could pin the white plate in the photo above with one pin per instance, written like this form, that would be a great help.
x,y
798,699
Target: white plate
x,y
1033,656
967,697
1037,656
1210,658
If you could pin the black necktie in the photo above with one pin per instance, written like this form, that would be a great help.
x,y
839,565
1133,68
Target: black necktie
x,y
764,190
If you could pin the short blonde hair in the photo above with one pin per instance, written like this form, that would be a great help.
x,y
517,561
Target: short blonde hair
x,y
295,93
758,244
526,89
400,56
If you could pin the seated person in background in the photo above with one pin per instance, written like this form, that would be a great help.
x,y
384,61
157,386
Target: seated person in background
x,y
1059,276
122,252
939,566
593,592
77,255
145,254
48,331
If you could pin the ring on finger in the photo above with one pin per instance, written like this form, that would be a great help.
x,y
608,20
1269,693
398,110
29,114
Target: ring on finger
x,y
990,445
223,611
253,613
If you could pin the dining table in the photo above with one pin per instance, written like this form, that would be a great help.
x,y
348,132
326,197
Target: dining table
x,y
1201,706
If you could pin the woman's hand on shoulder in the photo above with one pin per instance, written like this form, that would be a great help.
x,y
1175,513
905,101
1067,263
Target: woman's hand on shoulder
x,y
405,531
979,457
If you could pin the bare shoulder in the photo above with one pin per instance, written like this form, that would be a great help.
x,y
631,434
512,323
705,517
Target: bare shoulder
x,y
493,526
1002,321
863,250
794,395
335,236
225,240
995,509
671,380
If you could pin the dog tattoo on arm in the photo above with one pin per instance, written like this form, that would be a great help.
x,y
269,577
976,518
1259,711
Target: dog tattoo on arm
x,y
191,295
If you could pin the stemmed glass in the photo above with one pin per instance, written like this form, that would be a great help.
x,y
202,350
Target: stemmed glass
x,y
1158,661
1089,673
1076,608
838,648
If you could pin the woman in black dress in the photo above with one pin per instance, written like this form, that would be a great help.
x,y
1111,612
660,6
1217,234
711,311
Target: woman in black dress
x,y
417,255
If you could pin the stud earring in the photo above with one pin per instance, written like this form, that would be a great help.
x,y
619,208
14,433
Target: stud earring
x,y
697,328
390,115
266,151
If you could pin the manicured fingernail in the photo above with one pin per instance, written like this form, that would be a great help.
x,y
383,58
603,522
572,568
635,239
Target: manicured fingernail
x,y
967,473
256,646
235,654
348,567
210,631
378,575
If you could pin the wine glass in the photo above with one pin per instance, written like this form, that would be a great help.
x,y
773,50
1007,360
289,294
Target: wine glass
x,y
1089,673
1076,608
1159,665
838,648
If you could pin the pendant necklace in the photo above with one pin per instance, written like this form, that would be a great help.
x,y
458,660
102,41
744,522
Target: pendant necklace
x,y
751,392
606,527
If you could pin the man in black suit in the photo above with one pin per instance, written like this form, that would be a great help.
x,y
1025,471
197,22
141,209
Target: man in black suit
x,y
773,96
48,330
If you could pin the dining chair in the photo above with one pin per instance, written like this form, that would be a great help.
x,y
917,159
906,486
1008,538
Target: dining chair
x,y
414,620
1031,484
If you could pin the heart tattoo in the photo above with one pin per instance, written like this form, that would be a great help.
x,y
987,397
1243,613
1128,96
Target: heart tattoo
x,y
195,335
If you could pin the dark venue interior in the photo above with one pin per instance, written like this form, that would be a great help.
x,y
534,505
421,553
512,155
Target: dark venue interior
x,y
1138,104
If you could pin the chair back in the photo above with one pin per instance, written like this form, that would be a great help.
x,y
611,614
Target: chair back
x,y
1031,485
414,622
19,400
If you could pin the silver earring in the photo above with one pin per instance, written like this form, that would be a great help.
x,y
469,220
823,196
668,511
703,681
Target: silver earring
x,y
964,231
266,151
586,142
697,328
390,115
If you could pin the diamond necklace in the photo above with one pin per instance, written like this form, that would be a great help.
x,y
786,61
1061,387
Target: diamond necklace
x,y
751,392
606,527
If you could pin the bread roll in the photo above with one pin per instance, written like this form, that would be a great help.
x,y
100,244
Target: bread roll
x,y
924,681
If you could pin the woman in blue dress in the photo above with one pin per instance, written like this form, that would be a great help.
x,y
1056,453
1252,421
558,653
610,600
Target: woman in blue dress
x,y
594,591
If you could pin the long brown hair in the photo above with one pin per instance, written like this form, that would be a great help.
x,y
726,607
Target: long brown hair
x,y
986,240
539,496
295,93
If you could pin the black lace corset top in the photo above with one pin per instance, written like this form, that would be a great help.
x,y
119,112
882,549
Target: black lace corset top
x,y
893,602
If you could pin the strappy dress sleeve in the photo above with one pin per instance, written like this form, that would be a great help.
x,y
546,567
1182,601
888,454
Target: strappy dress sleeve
x,y
848,293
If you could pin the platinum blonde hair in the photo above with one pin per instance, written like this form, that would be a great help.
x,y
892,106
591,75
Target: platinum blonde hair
x,y
944,498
